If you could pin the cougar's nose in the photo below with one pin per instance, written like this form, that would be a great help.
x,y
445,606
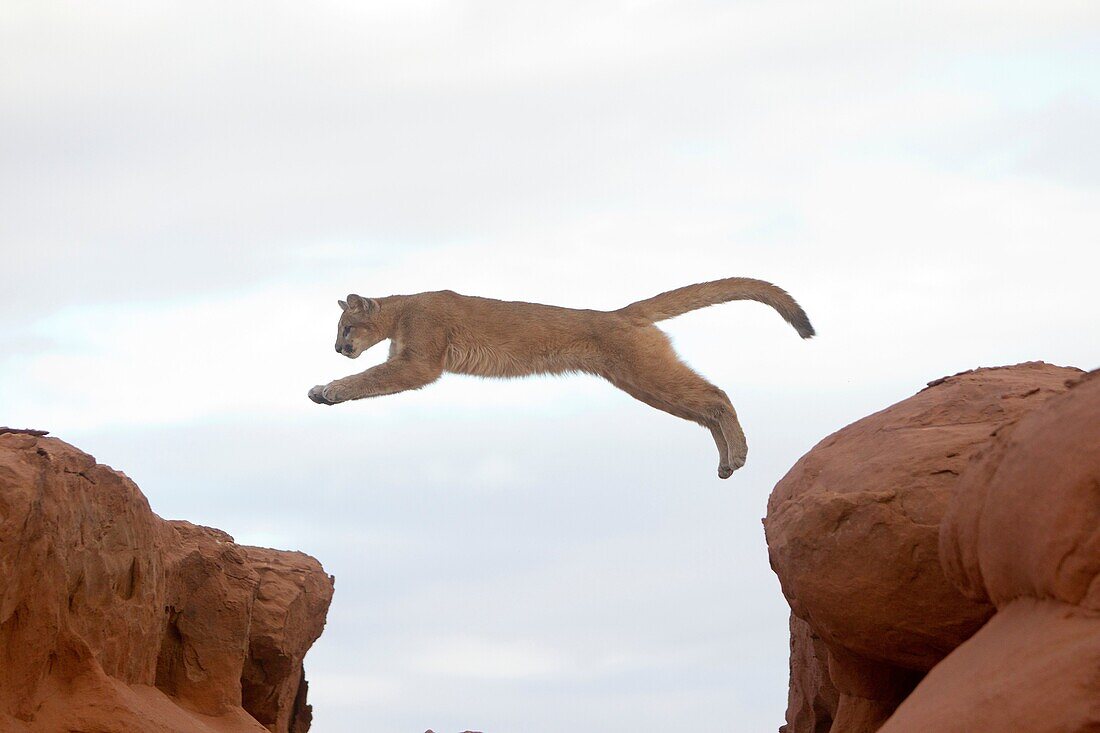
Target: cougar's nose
x,y
339,349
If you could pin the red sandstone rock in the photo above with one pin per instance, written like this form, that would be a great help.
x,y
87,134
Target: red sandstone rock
x,y
853,534
113,620
287,616
1033,667
1026,520
1023,531
811,698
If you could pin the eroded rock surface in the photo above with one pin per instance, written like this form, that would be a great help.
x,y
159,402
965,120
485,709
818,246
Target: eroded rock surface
x,y
811,698
853,533
114,620
1023,533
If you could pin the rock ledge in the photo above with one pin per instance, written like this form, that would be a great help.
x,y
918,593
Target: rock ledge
x,y
115,620
926,546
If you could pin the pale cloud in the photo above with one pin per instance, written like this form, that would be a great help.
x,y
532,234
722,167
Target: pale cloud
x,y
350,690
163,150
489,658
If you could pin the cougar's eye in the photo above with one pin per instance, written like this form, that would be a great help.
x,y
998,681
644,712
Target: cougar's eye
x,y
347,331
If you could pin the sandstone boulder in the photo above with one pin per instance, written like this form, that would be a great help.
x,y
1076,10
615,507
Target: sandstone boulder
x,y
853,534
114,620
1023,532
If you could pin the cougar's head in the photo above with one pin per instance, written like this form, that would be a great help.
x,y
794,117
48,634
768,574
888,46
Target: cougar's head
x,y
359,328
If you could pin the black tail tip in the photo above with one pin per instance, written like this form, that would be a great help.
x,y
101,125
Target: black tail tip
x,y
804,327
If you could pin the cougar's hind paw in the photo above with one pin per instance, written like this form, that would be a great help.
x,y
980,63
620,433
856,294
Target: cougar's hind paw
x,y
738,460
727,471
317,394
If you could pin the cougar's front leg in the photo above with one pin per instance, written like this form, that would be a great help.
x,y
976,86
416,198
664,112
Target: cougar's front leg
x,y
396,375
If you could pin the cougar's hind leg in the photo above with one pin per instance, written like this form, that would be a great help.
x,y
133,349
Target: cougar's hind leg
x,y
655,375
717,412
737,446
724,469
715,429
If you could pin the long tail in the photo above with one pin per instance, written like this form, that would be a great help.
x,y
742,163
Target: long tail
x,y
691,297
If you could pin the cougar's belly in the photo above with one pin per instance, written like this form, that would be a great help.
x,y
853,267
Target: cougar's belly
x,y
484,361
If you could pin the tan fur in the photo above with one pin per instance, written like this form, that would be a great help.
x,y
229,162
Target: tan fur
x,y
433,333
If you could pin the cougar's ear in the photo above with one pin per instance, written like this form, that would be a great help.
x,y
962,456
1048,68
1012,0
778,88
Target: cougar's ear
x,y
343,305
357,303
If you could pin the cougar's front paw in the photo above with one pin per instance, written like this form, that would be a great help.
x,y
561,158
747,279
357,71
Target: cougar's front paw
x,y
317,394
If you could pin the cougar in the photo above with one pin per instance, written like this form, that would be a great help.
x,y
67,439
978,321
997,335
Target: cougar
x,y
437,332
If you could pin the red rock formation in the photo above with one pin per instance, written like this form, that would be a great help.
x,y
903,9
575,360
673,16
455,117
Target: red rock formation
x,y
812,698
853,534
1023,533
114,620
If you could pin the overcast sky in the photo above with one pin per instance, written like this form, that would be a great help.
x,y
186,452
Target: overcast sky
x,y
186,189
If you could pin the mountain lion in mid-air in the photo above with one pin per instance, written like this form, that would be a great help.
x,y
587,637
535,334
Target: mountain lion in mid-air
x,y
433,333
